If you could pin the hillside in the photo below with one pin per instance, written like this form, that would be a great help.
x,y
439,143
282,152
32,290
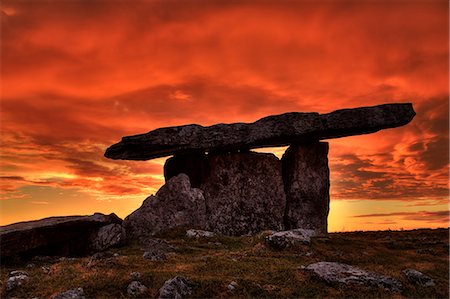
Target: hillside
x,y
211,264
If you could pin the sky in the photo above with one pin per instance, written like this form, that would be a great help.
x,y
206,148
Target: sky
x,y
76,76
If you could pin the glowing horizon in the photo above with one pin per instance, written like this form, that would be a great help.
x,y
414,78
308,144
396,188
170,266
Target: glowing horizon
x,y
76,77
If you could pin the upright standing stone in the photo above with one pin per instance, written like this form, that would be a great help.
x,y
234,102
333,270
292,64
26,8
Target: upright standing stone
x,y
306,182
244,192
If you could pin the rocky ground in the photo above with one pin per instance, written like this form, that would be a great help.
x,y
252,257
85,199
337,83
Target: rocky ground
x,y
386,264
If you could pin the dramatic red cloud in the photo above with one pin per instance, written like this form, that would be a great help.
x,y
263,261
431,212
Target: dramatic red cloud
x,y
78,75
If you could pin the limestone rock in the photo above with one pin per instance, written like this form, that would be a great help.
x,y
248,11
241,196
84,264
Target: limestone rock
x,y
244,193
275,130
108,236
135,275
178,287
290,238
337,273
197,233
176,204
61,236
77,293
418,278
156,256
307,183
16,279
135,288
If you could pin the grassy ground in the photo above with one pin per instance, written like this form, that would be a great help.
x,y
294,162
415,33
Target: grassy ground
x,y
259,271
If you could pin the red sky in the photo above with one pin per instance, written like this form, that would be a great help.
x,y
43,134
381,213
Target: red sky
x,y
76,76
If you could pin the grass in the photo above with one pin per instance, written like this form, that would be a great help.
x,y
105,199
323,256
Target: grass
x,y
260,271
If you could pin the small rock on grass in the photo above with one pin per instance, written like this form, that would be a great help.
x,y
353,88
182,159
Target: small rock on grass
x,y
135,288
135,275
177,287
77,293
197,233
154,256
233,286
338,273
16,279
418,278
288,238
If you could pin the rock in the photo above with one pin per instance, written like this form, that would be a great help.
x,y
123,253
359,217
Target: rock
x,y
232,286
16,279
418,278
46,269
176,204
290,238
244,193
197,233
135,275
157,245
108,236
306,180
337,273
177,287
271,131
99,258
77,293
135,288
63,236
154,256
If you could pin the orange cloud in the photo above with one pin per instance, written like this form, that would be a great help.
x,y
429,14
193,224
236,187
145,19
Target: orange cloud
x,y
77,76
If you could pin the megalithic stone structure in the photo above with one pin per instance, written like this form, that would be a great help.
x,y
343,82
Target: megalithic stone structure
x,y
246,192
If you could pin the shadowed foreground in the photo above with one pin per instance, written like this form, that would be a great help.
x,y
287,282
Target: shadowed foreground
x,y
211,264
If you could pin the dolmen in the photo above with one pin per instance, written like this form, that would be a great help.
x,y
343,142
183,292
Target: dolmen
x,y
215,182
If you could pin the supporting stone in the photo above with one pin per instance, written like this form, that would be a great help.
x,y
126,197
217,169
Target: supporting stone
x,y
244,192
306,183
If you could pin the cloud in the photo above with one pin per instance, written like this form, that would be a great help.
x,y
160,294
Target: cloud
x,y
427,216
79,75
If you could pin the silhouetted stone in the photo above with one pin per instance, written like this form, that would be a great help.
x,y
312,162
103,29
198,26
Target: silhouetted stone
x,y
307,183
63,236
418,278
244,193
275,130
176,204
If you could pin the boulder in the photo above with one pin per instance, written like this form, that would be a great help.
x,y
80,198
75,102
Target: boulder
x,y
176,204
418,278
290,238
178,287
63,236
271,131
77,293
108,236
135,288
338,273
244,193
306,180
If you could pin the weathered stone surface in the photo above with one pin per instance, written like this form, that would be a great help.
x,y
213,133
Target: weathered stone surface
x,y
337,273
108,236
16,279
290,238
197,233
77,293
135,288
178,287
64,236
244,193
306,180
176,204
418,278
276,130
